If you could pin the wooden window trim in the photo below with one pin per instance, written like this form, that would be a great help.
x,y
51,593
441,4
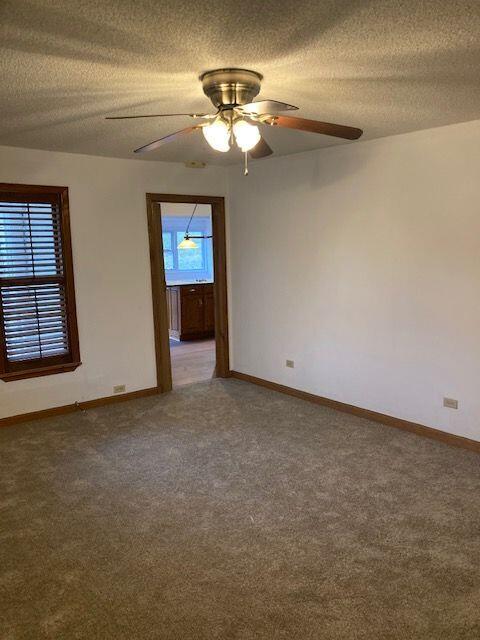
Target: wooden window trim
x,y
55,364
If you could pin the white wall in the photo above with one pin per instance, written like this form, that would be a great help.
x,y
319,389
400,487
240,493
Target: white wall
x,y
362,264
112,268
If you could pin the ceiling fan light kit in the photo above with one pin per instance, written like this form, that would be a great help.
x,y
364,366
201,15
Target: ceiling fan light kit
x,y
237,117
247,135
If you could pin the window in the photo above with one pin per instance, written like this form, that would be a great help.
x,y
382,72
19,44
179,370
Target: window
x,y
168,255
187,264
38,327
191,259
183,259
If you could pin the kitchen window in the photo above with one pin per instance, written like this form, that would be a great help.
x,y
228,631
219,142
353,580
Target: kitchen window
x,y
187,264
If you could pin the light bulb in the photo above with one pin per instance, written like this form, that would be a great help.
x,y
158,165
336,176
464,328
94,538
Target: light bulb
x,y
217,135
247,135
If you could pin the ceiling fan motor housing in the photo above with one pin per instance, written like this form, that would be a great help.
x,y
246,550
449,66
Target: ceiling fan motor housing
x,y
231,87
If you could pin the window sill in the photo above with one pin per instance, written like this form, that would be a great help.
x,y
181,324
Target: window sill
x,y
41,371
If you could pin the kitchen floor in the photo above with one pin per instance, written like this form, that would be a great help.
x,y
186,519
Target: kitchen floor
x,y
192,360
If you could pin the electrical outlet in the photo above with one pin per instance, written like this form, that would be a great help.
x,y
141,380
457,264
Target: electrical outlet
x,y
119,388
450,403
290,364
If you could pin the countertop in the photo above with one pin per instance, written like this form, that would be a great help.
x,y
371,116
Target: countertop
x,y
185,282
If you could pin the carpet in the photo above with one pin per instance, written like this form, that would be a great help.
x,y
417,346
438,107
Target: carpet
x,y
227,511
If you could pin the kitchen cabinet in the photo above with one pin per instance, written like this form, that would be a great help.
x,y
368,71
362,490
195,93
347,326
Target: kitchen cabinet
x,y
191,311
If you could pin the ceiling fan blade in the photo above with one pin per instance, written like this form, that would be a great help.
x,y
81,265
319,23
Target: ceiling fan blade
x,y
315,126
261,149
162,115
266,106
166,139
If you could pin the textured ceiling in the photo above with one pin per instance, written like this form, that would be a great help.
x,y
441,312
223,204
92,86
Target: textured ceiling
x,y
387,66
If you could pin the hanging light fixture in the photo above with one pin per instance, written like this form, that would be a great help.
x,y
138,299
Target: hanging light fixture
x,y
187,242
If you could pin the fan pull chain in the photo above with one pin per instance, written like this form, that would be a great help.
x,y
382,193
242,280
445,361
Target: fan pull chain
x,y
245,171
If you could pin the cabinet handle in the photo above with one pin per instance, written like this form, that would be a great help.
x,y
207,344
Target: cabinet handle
x,y
200,301
192,290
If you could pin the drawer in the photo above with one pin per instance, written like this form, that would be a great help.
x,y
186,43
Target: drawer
x,y
196,289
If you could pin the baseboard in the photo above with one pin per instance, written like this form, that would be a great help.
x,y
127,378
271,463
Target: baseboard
x,y
70,408
391,421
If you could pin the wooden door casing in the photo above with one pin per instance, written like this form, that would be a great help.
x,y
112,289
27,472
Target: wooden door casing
x,y
159,295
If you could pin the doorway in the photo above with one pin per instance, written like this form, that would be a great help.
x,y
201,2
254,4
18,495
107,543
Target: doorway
x,y
189,287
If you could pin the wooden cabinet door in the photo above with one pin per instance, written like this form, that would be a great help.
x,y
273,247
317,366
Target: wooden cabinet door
x,y
192,313
209,307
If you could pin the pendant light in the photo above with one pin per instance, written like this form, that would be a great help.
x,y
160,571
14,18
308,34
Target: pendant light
x,y
187,242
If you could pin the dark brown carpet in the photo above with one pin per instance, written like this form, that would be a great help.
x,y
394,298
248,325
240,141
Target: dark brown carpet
x,y
224,510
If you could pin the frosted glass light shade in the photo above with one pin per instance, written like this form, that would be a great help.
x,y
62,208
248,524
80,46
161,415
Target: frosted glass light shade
x,y
247,135
186,243
217,135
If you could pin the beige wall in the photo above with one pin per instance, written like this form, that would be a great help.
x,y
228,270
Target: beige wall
x,y
112,269
362,264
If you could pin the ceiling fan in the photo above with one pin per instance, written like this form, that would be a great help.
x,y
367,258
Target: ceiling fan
x,y
237,118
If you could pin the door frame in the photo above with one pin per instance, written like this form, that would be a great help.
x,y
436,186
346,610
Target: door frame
x,y
159,288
